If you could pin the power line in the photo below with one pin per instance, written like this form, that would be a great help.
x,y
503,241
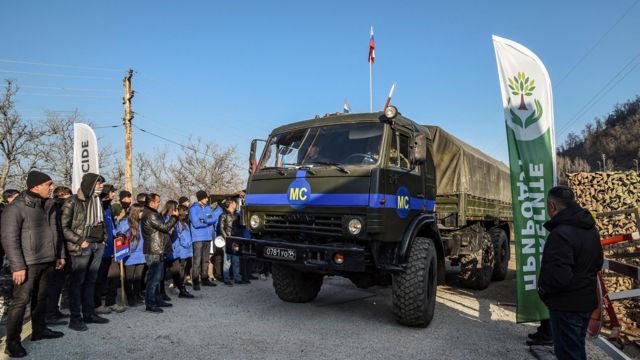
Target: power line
x,y
59,65
610,85
69,95
597,43
107,126
57,75
169,140
63,88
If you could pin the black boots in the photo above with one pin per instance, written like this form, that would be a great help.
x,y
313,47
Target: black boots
x,y
77,324
196,285
207,282
14,349
184,293
46,334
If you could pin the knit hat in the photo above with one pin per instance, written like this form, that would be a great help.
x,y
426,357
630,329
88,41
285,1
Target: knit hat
x,y
124,194
35,178
107,188
201,195
182,200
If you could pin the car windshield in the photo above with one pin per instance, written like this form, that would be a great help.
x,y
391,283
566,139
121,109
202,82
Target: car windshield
x,y
333,145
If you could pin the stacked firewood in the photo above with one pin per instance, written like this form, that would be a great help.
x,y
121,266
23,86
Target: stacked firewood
x,y
607,192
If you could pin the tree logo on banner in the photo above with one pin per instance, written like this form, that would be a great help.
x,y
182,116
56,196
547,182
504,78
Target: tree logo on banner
x,y
521,85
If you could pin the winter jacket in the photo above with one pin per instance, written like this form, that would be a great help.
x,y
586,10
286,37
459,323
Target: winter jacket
x,y
74,218
230,225
136,256
182,243
111,234
571,259
156,232
203,222
29,232
57,208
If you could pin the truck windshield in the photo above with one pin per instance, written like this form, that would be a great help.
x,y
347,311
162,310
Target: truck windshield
x,y
333,145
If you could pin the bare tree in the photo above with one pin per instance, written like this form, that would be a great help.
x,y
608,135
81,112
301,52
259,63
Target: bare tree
x,y
200,166
17,139
55,147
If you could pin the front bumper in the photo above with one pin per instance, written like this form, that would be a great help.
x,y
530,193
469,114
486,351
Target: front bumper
x,y
309,257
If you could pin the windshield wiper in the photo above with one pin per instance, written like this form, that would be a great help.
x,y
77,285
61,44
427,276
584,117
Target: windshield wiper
x,y
277,169
337,165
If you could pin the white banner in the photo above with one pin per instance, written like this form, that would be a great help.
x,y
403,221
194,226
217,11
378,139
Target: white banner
x,y
85,153
528,107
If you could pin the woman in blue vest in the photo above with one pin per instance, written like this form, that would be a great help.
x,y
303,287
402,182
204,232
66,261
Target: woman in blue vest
x,y
182,252
134,264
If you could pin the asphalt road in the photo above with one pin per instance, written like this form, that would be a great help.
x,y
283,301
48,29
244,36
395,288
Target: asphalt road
x,y
250,322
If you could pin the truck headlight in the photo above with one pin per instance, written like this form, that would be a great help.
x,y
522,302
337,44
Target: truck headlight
x,y
354,226
254,221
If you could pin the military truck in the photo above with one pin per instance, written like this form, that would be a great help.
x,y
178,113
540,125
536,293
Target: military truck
x,y
380,200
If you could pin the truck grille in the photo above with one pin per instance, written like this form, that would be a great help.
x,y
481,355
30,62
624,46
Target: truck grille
x,y
317,224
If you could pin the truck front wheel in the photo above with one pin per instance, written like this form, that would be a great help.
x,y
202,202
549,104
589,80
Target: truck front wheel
x,y
414,290
295,286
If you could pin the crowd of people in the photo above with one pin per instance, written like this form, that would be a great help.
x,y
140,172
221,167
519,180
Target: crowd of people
x,y
60,253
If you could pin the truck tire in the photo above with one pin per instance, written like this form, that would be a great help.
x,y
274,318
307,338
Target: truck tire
x,y
414,290
502,254
295,286
472,276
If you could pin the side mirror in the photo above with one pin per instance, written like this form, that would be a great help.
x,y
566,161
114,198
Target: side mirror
x,y
253,165
420,149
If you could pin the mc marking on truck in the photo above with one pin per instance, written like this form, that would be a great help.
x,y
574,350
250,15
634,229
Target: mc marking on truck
x,y
403,202
299,192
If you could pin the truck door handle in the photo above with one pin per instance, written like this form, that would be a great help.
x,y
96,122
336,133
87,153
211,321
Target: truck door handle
x,y
420,195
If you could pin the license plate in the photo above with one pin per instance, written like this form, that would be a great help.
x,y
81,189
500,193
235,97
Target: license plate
x,y
279,253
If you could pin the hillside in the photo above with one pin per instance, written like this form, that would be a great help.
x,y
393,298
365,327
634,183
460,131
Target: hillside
x,y
617,135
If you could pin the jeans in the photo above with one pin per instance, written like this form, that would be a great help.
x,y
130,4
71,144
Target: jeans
x,y
569,330
57,281
200,269
156,268
229,261
32,291
107,283
84,271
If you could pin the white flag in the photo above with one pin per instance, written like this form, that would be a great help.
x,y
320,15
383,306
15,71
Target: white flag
x,y
85,153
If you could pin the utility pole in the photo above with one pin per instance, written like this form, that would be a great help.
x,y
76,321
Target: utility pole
x,y
635,161
604,162
128,117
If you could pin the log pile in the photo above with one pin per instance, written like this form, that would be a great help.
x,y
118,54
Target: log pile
x,y
608,192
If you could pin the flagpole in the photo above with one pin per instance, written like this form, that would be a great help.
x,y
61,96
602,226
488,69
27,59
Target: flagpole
x,y
370,87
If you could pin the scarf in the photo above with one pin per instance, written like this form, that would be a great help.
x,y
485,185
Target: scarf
x,y
95,216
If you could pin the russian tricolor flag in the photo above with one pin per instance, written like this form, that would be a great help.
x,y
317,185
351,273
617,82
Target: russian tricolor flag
x,y
372,48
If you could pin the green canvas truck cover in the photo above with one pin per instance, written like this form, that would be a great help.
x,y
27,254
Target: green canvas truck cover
x,y
463,169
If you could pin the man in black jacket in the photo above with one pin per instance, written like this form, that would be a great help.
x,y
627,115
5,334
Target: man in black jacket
x,y
571,260
157,244
30,240
85,233
59,277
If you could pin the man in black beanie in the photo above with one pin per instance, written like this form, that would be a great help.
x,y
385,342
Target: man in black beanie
x,y
571,259
30,240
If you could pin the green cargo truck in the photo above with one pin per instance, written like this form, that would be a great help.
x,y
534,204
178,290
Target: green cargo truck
x,y
380,200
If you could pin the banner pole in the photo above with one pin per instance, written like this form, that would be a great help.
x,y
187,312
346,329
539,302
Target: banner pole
x,y
124,296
